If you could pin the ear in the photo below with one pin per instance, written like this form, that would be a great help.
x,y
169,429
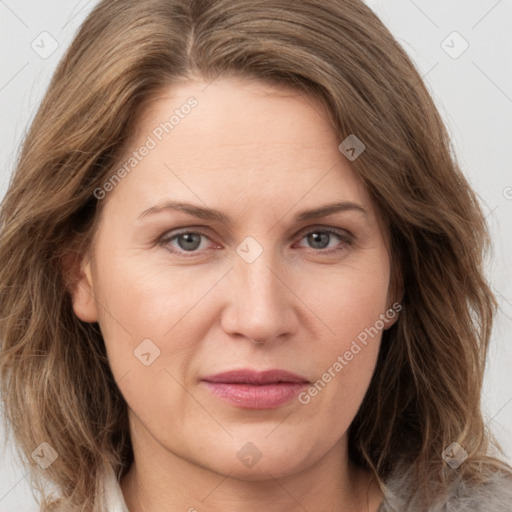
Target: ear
x,y
392,314
78,279
394,301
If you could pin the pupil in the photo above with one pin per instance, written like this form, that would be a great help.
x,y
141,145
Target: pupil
x,y
321,237
191,241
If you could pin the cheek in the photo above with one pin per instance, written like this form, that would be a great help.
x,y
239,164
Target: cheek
x,y
344,369
152,330
149,309
351,307
348,300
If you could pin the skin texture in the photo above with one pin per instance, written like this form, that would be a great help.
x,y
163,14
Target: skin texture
x,y
259,154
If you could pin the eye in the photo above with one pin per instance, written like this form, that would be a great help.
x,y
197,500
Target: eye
x,y
321,238
191,242
186,241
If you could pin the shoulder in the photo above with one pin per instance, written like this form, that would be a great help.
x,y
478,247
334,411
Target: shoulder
x,y
494,494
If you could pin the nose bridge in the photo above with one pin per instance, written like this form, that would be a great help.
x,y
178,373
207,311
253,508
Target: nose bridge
x,y
261,306
256,264
261,286
260,282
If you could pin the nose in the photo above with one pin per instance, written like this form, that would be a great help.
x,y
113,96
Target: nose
x,y
259,303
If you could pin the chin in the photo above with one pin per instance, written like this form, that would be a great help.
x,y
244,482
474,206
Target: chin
x,y
260,460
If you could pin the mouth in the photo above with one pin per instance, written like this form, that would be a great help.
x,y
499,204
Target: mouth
x,y
249,389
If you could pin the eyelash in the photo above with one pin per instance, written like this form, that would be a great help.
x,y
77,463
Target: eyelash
x,y
345,237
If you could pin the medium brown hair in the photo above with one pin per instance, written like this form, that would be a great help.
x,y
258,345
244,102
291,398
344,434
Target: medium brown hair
x,y
56,383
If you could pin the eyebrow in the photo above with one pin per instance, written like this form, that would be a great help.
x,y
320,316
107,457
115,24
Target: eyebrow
x,y
215,215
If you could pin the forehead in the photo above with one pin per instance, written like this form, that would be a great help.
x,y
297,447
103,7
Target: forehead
x,y
242,142
233,112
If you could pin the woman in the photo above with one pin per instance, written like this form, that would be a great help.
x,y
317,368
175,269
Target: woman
x,y
238,262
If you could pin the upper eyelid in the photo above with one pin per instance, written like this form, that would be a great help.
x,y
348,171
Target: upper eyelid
x,y
337,231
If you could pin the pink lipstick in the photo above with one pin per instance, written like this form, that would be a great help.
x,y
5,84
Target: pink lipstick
x,y
250,389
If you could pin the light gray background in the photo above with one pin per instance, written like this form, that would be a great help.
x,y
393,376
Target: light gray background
x,y
472,91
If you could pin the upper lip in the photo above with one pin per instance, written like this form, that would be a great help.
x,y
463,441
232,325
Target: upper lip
x,y
248,376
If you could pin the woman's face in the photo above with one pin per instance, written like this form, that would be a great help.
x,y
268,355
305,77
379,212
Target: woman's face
x,y
260,282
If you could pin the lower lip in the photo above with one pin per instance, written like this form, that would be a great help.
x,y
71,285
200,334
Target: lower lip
x,y
250,396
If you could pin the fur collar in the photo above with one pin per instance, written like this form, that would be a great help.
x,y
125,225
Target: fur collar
x,y
493,496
